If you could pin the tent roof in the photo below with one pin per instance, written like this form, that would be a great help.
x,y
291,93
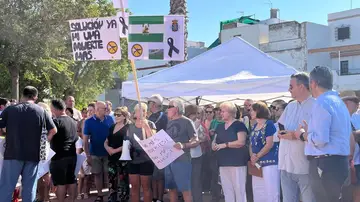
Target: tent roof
x,y
234,67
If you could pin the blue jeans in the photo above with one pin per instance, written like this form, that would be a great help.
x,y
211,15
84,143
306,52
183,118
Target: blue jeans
x,y
295,184
11,171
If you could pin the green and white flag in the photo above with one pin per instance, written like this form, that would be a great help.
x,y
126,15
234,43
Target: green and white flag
x,y
156,37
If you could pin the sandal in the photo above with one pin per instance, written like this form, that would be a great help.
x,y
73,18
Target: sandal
x,y
99,199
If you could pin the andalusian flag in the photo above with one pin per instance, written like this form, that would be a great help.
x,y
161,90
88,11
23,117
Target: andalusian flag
x,y
156,37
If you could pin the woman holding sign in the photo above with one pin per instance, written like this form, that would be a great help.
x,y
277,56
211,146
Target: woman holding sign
x,y
141,167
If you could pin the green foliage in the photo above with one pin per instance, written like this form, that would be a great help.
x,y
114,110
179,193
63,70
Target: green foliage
x,y
35,41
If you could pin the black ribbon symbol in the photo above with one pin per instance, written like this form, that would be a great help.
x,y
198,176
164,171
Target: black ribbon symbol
x,y
124,26
170,42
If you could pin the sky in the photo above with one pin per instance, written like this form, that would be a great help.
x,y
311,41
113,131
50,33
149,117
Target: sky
x,y
205,15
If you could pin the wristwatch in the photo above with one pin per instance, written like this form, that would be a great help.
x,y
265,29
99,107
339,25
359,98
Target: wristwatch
x,y
302,137
227,145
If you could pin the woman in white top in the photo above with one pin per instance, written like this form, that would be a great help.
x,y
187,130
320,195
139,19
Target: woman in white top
x,y
196,154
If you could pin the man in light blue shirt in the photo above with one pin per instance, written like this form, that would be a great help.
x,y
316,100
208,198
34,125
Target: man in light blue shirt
x,y
327,137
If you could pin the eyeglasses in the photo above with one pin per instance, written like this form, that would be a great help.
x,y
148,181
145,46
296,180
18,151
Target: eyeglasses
x,y
149,102
171,106
274,108
117,115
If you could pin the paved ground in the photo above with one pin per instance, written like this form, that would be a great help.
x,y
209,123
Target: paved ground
x,y
206,198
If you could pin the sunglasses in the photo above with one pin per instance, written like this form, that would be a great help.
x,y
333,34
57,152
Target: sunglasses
x,y
171,106
117,115
274,108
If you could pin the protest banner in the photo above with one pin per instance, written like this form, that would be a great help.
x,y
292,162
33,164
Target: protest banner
x,y
160,149
123,19
95,39
156,38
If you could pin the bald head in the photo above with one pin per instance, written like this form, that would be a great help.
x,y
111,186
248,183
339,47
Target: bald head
x,y
70,102
100,109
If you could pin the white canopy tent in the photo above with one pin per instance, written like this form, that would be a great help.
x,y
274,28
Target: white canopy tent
x,y
234,71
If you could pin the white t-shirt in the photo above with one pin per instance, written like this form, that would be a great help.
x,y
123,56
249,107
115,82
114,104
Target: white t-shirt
x,y
79,143
196,152
292,157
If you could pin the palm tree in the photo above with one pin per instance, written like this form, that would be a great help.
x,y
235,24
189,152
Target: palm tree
x,y
179,7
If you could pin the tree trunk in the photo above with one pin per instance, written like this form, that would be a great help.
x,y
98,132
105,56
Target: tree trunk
x,y
14,72
179,7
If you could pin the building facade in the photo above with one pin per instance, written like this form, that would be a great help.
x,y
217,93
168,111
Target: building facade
x,y
307,45
343,48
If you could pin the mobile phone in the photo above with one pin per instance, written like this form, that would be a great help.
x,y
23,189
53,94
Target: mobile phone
x,y
281,126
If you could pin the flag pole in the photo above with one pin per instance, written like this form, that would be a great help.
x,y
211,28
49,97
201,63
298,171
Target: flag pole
x,y
132,63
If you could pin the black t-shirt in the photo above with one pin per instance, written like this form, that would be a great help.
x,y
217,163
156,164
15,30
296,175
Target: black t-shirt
x,y
115,140
63,142
231,156
160,122
24,124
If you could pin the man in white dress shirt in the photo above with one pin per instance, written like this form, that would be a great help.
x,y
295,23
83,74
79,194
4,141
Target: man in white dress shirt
x,y
327,138
293,163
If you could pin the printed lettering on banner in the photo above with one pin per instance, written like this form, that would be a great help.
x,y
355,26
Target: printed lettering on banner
x,y
156,38
95,39
120,4
160,149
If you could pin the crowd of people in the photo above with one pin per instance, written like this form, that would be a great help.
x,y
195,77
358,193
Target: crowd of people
x,y
303,150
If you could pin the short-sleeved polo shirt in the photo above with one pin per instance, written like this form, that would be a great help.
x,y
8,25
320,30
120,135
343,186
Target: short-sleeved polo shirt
x,y
98,131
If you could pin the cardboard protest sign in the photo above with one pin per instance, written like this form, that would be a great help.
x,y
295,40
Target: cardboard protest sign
x,y
160,149
95,39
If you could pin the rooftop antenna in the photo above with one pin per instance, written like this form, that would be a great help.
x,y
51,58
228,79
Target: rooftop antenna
x,y
269,3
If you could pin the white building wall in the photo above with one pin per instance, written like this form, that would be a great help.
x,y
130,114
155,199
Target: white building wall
x,y
254,34
354,64
294,58
345,18
317,36
286,44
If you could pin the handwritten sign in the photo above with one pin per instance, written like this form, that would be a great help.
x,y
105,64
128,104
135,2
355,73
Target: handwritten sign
x,y
160,149
44,166
95,39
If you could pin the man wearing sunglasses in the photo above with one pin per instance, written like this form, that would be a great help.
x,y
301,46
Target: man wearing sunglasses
x,y
182,131
160,119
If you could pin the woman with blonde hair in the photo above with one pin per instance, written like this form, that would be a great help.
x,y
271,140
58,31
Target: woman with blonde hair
x,y
44,181
230,142
118,174
141,167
